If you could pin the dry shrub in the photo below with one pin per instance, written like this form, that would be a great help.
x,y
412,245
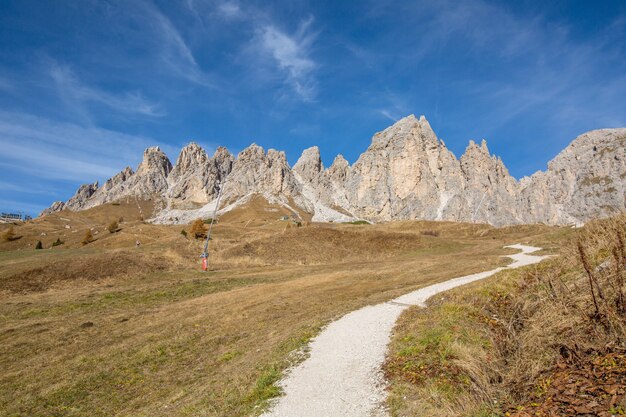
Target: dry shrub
x,y
9,235
88,238
113,226
198,230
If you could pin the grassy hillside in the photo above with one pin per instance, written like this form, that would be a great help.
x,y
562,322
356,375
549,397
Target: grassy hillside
x,y
547,340
108,328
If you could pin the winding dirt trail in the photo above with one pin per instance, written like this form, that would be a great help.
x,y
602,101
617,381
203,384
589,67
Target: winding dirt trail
x,y
342,375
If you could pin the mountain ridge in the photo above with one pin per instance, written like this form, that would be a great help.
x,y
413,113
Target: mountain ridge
x,y
406,173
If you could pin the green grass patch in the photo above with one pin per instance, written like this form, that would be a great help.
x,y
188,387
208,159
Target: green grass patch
x,y
229,356
359,222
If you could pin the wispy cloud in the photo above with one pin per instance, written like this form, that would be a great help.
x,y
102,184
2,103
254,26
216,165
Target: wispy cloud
x,y
395,106
73,89
19,205
554,70
173,49
229,9
53,150
12,187
541,65
387,114
292,55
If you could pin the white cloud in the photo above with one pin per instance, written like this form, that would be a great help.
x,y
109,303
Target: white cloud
x,y
148,28
291,53
73,90
52,150
174,51
394,118
229,9
542,67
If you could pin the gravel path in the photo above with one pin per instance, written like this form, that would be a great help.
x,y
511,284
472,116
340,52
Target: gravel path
x,y
342,375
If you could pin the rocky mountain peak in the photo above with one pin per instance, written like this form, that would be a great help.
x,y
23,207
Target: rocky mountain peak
x,y
190,156
116,180
154,161
310,164
223,161
427,132
56,206
476,149
480,166
477,158
340,164
84,192
255,171
584,181
222,154
338,171
277,157
407,132
252,152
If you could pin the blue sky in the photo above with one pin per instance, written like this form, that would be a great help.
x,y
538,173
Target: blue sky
x,y
85,86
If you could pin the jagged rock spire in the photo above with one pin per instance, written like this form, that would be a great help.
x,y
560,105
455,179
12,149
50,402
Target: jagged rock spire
x,y
310,164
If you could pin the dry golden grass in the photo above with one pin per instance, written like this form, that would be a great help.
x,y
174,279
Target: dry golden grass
x,y
486,348
112,329
70,226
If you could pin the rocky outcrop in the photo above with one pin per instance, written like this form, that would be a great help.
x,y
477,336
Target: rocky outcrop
x,y
406,173
151,176
194,179
490,192
150,181
80,200
309,165
111,188
586,180
255,171
403,174
56,206
323,190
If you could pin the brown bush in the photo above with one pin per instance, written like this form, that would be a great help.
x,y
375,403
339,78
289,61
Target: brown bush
x,y
198,230
9,235
113,226
88,237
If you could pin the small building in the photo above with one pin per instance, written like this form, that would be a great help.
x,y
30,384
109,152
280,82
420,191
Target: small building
x,y
14,217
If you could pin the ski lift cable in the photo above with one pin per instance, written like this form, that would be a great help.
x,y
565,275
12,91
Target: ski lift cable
x,y
205,254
